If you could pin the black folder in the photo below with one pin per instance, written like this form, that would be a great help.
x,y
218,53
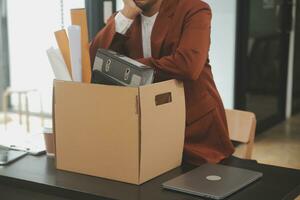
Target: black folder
x,y
111,68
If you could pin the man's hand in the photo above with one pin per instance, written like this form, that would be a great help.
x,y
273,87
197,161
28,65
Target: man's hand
x,y
130,9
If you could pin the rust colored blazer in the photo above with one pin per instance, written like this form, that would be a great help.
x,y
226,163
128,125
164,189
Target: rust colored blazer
x,y
180,44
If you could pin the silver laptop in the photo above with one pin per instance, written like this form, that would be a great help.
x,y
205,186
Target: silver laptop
x,y
213,181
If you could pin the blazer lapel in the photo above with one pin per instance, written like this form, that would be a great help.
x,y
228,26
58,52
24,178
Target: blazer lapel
x,y
161,26
135,43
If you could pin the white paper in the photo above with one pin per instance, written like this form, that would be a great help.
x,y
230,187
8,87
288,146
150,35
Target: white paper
x,y
74,32
58,65
31,142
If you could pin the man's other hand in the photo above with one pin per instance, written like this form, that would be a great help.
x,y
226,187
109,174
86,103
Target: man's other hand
x,y
130,10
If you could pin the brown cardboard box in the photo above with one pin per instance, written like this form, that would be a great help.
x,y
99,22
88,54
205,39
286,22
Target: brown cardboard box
x,y
120,133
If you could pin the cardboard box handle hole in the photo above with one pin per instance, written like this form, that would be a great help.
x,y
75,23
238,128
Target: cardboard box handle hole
x,y
162,99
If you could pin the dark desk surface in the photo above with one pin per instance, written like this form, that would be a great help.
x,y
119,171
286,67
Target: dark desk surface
x,y
37,178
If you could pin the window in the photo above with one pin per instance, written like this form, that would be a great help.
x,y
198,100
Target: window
x,y
31,27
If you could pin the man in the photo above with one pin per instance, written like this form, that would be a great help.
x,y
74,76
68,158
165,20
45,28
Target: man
x,y
173,37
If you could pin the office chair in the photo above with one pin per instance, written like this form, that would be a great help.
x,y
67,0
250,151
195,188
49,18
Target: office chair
x,y
21,92
242,126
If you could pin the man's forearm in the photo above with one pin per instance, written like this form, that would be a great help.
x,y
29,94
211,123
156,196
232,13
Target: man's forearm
x,y
112,36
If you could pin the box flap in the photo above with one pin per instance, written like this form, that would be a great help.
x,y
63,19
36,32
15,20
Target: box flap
x,y
89,128
162,127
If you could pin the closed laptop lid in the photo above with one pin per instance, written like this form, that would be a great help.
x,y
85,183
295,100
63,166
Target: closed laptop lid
x,y
213,181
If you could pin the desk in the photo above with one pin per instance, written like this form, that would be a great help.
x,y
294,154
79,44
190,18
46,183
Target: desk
x,y
36,178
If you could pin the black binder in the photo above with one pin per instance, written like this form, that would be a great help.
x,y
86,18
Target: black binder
x,y
111,68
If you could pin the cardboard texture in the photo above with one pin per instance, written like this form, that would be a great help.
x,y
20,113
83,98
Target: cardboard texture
x,y
119,133
63,44
162,129
79,17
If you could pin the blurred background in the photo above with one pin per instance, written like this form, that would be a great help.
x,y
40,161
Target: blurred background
x,y
255,57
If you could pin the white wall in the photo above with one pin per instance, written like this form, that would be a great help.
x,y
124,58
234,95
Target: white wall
x,y
119,4
31,26
222,53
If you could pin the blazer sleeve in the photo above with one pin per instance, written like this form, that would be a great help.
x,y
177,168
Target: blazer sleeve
x,y
191,55
108,38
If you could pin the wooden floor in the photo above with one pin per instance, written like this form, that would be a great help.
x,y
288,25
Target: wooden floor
x,y
280,145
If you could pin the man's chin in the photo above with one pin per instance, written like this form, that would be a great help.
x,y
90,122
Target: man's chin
x,y
141,5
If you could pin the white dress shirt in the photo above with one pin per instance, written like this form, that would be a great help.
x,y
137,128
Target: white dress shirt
x,y
123,24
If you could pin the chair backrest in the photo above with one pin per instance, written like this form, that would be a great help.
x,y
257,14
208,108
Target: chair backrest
x,y
242,126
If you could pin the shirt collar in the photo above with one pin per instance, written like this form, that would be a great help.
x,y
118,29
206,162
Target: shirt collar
x,y
149,19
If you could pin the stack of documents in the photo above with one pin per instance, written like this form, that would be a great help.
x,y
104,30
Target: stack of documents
x,y
75,52
58,64
72,61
